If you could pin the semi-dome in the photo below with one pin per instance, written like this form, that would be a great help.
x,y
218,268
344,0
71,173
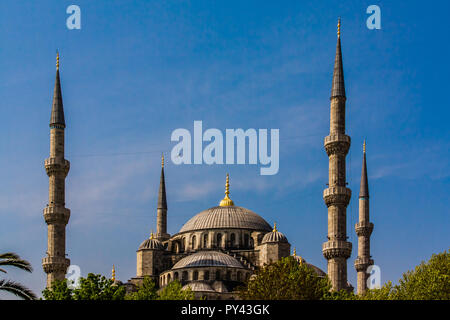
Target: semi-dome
x,y
198,286
207,259
274,236
151,243
226,216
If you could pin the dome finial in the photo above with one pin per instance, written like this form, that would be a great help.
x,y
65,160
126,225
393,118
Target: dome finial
x,y
274,227
295,252
113,276
339,27
151,234
227,202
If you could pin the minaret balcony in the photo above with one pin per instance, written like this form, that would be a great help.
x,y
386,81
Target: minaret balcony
x,y
55,165
337,249
337,195
361,263
55,264
56,214
364,229
337,143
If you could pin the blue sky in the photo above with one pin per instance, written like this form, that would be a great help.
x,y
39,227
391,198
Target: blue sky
x,y
137,70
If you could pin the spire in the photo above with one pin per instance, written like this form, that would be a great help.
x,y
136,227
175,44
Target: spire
x,y
113,276
338,87
57,115
162,201
364,189
227,202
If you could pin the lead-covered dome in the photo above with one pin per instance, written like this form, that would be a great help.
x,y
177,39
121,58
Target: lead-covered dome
x,y
208,259
274,236
151,243
226,217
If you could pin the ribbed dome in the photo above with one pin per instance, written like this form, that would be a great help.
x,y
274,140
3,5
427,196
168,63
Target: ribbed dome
x,y
207,259
274,236
197,286
152,243
317,270
226,217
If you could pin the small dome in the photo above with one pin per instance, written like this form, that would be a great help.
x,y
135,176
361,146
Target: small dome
x,y
274,236
151,243
198,286
317,270
207,259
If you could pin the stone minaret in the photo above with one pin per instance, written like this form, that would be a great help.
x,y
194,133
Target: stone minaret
x,y
56,215
363,229
337,196
161,218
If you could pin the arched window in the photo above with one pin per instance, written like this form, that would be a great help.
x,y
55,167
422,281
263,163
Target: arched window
x,y
219,239
195,275
238,276
193,242
206,275
184,276
183,245
175,275
205,241
232,240
246,240
168,277
218,275
228,275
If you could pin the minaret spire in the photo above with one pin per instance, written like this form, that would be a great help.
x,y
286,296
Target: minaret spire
x,y
337,196
363,229
161,216
56,215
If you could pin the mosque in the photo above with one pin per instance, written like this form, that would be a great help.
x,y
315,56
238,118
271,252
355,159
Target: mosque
x,y
221,247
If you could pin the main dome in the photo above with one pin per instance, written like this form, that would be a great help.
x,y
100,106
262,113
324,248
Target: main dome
x,y
226,217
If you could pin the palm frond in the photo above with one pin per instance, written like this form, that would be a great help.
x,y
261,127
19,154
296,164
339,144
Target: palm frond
x,y
13,260
9,255
1,270
17,289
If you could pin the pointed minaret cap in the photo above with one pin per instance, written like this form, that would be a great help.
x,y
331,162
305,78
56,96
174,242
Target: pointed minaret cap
x,y
364,188
162,200
338,86
227,202
57,115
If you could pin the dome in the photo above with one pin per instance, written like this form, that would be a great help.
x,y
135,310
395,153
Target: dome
x,y
198,286
274,236
151,243
208,259
226,217
317,270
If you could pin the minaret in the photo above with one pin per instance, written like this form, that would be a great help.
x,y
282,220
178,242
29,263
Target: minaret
x,y
161,216
337,196
363,229
56,215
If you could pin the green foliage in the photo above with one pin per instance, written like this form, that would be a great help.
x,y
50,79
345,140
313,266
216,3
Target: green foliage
x,y
285,279
428,281
94,287
146,291
10,259
173,292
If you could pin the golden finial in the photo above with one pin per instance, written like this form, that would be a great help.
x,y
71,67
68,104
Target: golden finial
x,y
162,160
113,276
364,146
151,234
274,227
301,260
227,202
57,60
295,252
339,27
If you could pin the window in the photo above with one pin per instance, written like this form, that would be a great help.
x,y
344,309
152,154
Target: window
x,y
184,276
168,278
195,275
193,242
206,275
219,239
232,239
246,240
175,275
228,275
218,275
205,241
238,276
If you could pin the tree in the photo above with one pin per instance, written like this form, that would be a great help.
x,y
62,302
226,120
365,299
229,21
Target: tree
x,y
173,291
146,291
11,259
94,287
428,281
285,279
